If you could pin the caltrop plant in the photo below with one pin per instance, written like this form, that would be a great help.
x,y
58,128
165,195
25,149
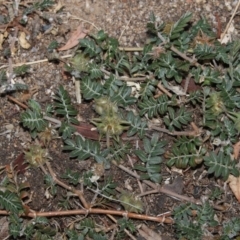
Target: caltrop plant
x,y
184,84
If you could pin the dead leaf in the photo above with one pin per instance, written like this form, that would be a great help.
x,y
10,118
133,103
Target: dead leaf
x,y
23,41
58,6
148,233
229,34
234,184
1,40
79,33
176,89
176,186
4,228
19,165
86,131
236,150
192,86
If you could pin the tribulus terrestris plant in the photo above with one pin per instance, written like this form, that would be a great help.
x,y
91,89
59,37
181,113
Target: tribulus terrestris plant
x,y
135,96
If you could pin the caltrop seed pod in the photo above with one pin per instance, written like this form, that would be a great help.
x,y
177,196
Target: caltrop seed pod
x,y
104,106
36,155
131,203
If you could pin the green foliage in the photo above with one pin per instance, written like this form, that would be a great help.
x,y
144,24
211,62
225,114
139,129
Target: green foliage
x,y
85,229
22,70
52,46
95,71
123,96
125,89
125,224
202,26
204,52
40,5
107,188
32,118
15,225
51,186
63,106
179,26
231,228
190,227
89,46
153,107
136,125
66,130
11,202
112,85
7,87
151,157
91,89
39,228
169,67
73,177
118,151
221,165
177,119
216,193
186,152
148,88
83,149
3,77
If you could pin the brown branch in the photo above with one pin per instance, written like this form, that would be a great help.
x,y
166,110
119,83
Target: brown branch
x,y
72,189
187,82
230,21
94,211
157,188
192,61
194,132
17,102
163,89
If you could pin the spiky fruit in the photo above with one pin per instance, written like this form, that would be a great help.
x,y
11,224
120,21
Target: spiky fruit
x,y
36,155
216,104
47,135
131,203
104,106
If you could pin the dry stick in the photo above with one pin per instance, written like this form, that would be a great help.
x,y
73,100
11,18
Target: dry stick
x,y
62,184
125,230
163,89
156,187
195,132
124,78
131,49
93,211
96,211
77,90
230,21
50,119
125,27
193,61
139,182
187,82
35,62
83,20
54,120
17,102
